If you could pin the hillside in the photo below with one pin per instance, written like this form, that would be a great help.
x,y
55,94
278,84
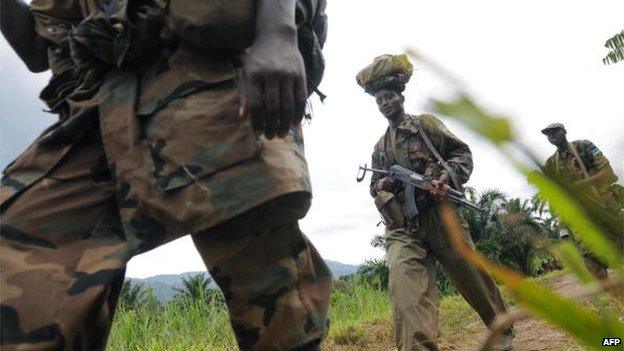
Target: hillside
x,y
163,286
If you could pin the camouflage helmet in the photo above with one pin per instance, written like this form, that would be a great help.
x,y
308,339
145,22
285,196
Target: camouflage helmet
x,y
386,71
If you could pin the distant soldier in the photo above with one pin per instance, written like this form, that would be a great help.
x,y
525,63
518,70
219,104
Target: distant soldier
x,y
175,117
581,166
424,145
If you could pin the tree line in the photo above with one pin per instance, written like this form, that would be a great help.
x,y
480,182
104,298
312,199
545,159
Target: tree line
x,y
511,231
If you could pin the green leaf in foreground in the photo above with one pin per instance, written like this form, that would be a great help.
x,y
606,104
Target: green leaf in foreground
x,y
587,326
572,215
571,259
497,129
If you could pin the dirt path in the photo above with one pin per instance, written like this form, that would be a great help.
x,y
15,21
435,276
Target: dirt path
x,y
531,334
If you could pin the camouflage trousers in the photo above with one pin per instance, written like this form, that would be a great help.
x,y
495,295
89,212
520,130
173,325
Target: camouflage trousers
x,y
63,258
412,252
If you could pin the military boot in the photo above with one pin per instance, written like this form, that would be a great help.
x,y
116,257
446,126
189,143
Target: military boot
x,y
505,343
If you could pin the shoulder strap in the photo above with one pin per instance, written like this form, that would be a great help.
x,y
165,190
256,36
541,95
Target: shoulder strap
x,y
582,164
578,159
436,154
391,151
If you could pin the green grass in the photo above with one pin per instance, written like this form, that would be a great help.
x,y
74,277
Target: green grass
x,y
198,325
361,320
354,303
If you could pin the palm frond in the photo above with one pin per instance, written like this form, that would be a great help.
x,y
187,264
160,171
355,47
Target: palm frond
x,y
616,45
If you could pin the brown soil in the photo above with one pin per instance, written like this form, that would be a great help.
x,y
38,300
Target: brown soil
x,y
531,334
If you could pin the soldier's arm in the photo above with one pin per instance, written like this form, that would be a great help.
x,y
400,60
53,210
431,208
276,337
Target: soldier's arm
x,y
18,27
375,163
549,168
274,89
454,151
600,172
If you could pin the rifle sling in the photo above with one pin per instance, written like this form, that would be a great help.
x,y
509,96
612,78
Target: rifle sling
x,y
392,147
436,154
583,167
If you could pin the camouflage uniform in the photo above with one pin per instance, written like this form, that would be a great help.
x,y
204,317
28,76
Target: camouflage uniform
x,y
604,199
415,244
140,157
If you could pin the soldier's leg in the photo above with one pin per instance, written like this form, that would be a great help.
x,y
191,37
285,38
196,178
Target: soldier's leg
x,y
276,285
595,266
62,257
476,286
413,290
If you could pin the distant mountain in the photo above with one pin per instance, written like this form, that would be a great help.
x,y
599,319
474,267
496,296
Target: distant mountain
x,y
163,286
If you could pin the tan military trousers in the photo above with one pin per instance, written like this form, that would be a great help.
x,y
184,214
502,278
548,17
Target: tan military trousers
x,y
413,288
63,256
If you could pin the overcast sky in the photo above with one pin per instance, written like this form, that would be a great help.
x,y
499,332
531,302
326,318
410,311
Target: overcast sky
x,y
536,62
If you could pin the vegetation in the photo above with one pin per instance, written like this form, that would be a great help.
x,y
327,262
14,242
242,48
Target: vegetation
x,y
361,320
616,47
134,296
571,207
197,287
510,231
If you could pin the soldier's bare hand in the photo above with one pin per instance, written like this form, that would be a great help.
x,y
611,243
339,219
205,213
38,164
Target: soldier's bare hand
x,y
386,184
273,90
440,187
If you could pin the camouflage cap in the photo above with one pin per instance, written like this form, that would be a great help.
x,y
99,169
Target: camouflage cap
x,y
386,71
551,127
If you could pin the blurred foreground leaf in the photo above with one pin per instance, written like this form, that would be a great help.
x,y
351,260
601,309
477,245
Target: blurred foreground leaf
x,y
497,129
587,326
573,215
572,259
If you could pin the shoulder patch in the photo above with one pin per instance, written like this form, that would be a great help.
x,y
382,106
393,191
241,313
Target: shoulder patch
x,y
594,150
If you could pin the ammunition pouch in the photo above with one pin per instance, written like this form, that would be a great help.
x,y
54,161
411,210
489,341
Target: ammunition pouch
x,y
390,209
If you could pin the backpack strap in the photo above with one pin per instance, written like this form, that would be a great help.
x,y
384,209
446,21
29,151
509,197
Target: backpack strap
x,y
437,155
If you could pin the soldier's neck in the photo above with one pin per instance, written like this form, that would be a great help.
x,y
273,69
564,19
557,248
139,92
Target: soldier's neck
x,y
397,120
563,147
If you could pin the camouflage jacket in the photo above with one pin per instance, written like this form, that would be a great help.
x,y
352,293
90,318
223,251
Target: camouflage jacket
x,y
413,153
565,166
170,128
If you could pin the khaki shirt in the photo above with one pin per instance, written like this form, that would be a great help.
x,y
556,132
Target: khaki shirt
x,y
565,166
413,154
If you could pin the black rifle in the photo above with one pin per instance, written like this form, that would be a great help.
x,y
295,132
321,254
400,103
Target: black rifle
x,y
413,180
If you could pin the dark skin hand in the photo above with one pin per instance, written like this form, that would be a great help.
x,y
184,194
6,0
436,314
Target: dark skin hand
x,y
440,187
273,90
391,106
18,27
386,184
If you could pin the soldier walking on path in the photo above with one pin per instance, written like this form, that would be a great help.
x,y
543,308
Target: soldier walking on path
x,y
175,117
582,167
424,145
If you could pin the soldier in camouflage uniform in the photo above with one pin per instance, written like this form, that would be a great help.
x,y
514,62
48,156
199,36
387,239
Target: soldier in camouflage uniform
x,y
157,139
581,166
414,244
